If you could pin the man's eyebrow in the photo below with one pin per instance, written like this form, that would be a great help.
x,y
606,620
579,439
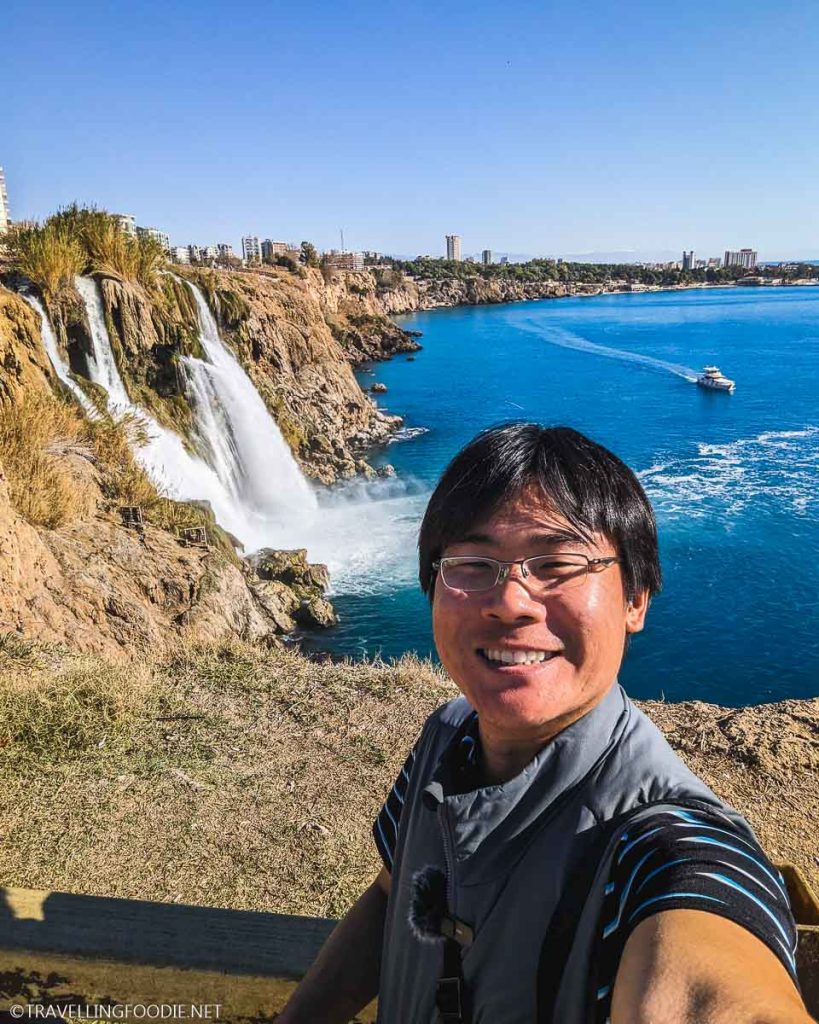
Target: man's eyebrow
x,y
551,537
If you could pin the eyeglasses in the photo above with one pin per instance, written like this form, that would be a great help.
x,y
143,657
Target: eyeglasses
x,y
541,573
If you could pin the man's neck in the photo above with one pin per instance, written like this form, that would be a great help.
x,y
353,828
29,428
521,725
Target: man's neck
x,y
503,756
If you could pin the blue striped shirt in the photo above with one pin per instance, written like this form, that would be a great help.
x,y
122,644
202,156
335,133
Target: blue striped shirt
x,y
673,860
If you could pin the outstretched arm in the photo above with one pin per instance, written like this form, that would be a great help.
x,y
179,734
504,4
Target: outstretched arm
x,y
693,967
344,977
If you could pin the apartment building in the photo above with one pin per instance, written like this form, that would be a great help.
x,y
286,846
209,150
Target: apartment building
x,y
251,249
344,260
745,258
5,215
271,249
161,236
453,247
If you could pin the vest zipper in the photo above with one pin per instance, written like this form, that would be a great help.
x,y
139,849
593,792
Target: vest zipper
x,y
449,857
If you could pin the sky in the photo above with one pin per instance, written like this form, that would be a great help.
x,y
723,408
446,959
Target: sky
x,y
551,128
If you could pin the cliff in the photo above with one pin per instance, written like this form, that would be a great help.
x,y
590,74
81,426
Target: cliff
x,y
297,335
70,571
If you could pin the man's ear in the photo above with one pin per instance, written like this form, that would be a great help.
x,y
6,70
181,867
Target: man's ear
x,y
636,612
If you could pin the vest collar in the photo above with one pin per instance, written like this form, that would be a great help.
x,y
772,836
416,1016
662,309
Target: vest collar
x,y
488,824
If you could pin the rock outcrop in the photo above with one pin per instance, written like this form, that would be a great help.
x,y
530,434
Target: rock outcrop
x,y
97,586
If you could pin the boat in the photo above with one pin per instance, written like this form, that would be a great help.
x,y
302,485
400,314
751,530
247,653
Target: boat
x,y
712,377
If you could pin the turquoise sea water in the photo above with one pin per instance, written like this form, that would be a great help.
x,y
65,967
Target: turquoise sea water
x,y
734,479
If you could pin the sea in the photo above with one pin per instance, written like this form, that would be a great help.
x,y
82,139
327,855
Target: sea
x,y
733,478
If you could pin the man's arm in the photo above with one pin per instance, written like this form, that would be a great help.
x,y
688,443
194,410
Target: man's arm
x,y
344,977
693,967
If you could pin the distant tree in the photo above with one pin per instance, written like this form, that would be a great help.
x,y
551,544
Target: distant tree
x,y
309,255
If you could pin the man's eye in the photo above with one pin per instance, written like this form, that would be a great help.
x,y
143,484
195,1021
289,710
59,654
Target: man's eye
x,y
477,565
553,566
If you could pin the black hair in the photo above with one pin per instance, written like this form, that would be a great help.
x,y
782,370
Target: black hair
x,y
593,490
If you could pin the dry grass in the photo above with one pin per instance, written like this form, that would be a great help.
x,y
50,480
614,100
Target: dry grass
x,y
77,240
238,776
230,776
50,255
58,464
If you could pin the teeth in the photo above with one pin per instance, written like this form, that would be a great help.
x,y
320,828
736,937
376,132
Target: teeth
x,y
515,657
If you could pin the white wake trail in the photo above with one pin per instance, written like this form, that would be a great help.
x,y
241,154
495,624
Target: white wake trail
x,y
567,339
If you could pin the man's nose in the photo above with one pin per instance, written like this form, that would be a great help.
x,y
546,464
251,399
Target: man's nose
x,y
511,600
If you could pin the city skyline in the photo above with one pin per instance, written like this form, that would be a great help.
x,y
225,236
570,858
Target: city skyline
x,y
537,129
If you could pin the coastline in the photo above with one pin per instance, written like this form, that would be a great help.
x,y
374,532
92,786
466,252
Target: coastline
x,y
589,292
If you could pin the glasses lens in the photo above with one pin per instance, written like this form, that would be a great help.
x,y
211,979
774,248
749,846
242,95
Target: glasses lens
x,y
558,570
469,573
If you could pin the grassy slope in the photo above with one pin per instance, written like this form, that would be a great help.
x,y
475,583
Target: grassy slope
x,y
244,777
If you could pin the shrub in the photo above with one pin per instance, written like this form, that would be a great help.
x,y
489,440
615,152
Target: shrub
x,y
81,239
50,255
57,463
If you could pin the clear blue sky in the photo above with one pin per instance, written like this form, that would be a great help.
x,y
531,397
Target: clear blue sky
x,y
544,128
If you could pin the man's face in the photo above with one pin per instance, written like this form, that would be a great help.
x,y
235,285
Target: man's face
x,y
582,629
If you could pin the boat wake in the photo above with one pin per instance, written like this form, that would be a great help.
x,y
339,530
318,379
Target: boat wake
x,y
568,339
407,434
775,471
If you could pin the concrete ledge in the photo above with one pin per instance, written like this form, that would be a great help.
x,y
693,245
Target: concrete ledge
x,y
165,934
137,950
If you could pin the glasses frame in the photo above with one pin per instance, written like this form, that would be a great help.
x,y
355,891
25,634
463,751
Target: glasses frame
x,y
504,568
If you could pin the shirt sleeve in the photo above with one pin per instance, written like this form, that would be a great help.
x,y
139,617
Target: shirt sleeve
x,y
385,826
696,861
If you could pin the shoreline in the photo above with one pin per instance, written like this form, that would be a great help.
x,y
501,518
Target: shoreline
x,y
625,290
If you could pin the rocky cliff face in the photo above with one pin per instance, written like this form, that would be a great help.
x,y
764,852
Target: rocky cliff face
x,y
299,338
100,587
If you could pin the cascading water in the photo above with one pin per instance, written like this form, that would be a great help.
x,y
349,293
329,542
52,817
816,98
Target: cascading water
x,y
247,471
52,351
176,472
243,442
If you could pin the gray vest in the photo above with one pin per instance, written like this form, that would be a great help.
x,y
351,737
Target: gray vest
x,y
508,852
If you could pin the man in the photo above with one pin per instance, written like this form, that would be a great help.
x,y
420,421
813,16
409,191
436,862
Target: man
x,y
546,855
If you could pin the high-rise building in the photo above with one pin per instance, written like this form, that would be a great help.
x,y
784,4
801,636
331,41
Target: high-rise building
x,y
160,236
180,254
688,260
251,249
486,257
225,251
271,249
194,253
745,258
5,216
453,247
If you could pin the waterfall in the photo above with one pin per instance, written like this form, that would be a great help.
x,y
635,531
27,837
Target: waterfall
x,y
102,366
176,473
244,467
242,440
52,351
246,470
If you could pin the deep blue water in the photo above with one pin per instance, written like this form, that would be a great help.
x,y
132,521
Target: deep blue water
x,y
734,479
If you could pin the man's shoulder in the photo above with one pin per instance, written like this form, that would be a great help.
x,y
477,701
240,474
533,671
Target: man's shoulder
x,y
644,769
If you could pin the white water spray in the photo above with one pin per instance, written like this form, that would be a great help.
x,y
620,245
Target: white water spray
x,y
249,475
176,473
240,438
567,339
102,367
61,368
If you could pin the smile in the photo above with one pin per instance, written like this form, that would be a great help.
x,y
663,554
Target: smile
x,y
506,657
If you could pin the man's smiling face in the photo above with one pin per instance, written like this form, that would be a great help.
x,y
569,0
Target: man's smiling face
x,y
582,629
